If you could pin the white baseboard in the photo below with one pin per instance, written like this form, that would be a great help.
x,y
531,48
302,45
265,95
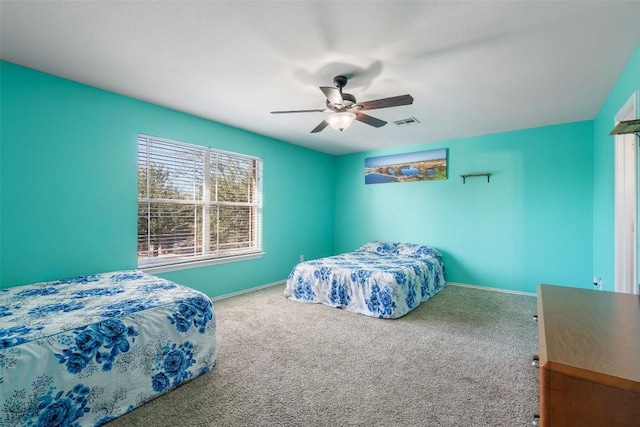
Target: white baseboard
x,y
233,294
462,285
484,288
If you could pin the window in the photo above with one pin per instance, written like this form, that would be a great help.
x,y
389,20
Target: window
x,y
196,204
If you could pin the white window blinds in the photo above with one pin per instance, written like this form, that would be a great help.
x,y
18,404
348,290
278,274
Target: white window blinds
x,y
196,203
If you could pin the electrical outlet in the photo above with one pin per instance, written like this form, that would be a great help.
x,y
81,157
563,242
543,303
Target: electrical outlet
x,y
597,283
301,258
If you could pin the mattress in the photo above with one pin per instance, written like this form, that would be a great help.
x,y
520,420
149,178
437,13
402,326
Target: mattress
x,y
380,279
82,351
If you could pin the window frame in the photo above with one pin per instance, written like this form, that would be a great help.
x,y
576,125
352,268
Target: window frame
x,y
219,257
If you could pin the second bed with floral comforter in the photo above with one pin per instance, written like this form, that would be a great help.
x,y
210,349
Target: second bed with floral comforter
x,y
82,351
380,279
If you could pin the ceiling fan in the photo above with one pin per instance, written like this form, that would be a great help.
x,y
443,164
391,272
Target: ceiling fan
x,y
345,109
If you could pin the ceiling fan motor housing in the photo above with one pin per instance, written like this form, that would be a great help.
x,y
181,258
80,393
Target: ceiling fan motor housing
x,y
349,101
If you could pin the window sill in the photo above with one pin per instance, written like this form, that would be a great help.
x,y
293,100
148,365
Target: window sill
x,y
200,263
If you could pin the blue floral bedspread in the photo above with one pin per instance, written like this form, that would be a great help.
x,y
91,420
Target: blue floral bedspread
x,y
82,351
380,279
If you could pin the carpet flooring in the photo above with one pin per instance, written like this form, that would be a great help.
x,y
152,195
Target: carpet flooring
x,y
461,359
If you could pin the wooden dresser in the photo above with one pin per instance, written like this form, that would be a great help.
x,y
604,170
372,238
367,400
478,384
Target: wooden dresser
x,y
589,350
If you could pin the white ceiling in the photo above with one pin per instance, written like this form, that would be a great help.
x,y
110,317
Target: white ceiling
x,y
473,68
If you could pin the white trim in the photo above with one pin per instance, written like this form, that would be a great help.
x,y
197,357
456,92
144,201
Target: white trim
x,y
626,208
201,263
246,291
461,285
485,288
629,109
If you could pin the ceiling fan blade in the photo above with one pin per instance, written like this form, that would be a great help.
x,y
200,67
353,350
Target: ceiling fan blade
x,y
299,111
370,120
394,101
333,95
323,124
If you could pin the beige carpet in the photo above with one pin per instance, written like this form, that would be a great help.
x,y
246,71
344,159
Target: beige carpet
x,y
460,359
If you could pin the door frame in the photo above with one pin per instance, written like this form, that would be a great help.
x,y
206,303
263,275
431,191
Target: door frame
x,y
626,202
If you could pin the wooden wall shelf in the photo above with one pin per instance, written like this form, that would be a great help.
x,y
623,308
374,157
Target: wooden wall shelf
x,y
467,175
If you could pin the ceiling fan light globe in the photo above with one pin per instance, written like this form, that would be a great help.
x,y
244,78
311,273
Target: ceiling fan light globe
x,y
341,121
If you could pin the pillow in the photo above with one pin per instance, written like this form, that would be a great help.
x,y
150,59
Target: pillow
x,y
380,248
412,250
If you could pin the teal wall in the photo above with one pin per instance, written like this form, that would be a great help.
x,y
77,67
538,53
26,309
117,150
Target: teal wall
x,y
604,169
531,224
68,199
69,185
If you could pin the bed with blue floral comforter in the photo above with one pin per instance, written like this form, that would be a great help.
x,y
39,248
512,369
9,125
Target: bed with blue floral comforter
x,y
82,351
380,279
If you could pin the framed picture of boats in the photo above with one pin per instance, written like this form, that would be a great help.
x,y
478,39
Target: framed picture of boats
x,y
408,167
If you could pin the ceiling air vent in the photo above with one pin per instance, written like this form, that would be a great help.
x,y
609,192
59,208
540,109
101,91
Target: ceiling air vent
x,y
407,122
